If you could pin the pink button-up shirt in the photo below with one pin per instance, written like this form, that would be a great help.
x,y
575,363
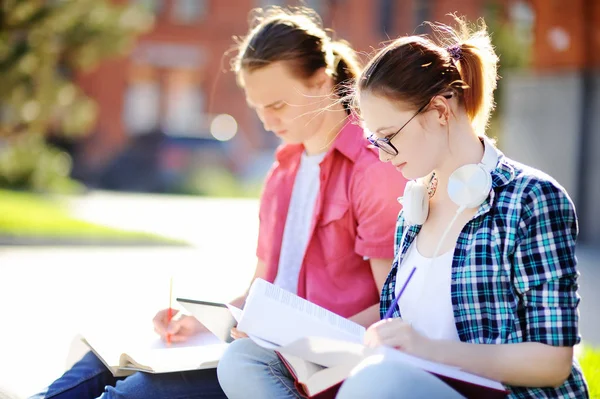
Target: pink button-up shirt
x,y
353,219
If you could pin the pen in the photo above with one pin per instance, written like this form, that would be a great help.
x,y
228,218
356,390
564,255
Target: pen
x,y
390,311
170,310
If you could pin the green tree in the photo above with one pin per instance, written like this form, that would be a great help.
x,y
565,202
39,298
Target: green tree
x,y
43,43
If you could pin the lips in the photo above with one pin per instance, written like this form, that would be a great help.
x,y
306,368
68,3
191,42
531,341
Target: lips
x,y
399,166
281,132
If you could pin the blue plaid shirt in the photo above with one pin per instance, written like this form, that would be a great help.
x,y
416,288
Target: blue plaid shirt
x,y
514,274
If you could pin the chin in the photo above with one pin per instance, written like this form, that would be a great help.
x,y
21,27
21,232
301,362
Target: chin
x,y
412,176
290,139
407,175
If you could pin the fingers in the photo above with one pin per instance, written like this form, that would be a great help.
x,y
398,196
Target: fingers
x,y
176,338
174,327
237,334
390,332
161,322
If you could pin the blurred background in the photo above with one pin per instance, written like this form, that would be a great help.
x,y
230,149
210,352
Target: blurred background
x,y
137,95
122,130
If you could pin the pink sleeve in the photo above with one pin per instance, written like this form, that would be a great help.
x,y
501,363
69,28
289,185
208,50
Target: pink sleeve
x,y
264,224
374,195
262,245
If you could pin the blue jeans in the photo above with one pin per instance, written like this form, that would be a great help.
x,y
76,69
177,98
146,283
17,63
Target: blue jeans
x,y
247,370
377,377
90,379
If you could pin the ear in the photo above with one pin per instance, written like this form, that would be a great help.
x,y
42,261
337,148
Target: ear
x,y
321,81
442,109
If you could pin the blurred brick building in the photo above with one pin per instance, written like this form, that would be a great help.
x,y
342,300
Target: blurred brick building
x,y
177,79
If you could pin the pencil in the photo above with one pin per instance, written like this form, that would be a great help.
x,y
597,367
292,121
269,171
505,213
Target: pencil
x,y
170,310
390,311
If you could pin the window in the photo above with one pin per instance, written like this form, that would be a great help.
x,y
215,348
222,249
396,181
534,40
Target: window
x,y
142,107
189,11
386,17
422,12
185,108
523,17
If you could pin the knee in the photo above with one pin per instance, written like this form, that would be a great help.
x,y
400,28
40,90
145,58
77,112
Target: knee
x,y
374,377
237,362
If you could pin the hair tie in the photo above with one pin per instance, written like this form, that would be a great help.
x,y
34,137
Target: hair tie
x,y
455,52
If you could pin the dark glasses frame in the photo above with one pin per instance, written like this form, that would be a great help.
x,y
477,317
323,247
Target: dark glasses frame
x,y
385,143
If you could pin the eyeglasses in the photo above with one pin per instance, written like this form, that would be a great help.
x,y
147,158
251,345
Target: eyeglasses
x,y
384,143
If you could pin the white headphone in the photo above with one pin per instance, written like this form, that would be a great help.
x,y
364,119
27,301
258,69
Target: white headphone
x,y
468,187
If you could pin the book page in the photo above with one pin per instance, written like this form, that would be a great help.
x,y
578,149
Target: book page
x,y
335,353
145,350
326,352
235,312
110,359
166,360
315,378
326,378
438,368
302,369
216,317
281,317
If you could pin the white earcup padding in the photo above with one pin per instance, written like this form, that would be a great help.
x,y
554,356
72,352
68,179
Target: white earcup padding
x,y
469,186
415,203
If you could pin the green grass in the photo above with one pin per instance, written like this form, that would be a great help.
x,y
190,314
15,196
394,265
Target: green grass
x,y
590,363
26,215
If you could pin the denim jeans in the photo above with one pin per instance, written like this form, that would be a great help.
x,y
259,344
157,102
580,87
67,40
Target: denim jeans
x,y
247,370
90,379
377,377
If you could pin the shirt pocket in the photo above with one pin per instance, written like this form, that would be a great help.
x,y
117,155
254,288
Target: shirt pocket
x,y
335,232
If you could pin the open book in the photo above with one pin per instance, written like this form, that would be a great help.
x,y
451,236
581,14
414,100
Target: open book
x,y
124,355
338,358
280,317
320,348
216,317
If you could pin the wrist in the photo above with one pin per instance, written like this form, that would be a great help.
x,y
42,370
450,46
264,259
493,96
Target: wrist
x,y
435,350
239,301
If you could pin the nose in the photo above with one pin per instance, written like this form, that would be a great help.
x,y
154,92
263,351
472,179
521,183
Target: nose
x,y
269,121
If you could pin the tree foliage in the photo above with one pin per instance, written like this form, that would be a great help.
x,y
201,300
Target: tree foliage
x,y
43,43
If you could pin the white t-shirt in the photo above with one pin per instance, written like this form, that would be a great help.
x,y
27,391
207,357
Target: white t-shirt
x,y
426,302
298,220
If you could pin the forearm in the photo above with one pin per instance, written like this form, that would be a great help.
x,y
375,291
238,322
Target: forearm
x,y
528,364
370,315
367,317
239,301
259,272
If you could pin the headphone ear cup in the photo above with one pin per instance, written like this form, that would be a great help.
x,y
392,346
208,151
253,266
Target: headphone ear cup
x,y
469,186
415,203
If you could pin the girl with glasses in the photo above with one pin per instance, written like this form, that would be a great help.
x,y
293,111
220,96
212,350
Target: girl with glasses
x,y
492,241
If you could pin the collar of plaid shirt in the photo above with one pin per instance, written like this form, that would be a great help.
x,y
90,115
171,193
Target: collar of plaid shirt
x,y
514,270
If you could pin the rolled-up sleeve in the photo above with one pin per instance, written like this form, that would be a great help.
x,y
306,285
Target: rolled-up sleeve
x,y
374,192
545,266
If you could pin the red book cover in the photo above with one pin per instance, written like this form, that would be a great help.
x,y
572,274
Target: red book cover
x,y
468,390
326,394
